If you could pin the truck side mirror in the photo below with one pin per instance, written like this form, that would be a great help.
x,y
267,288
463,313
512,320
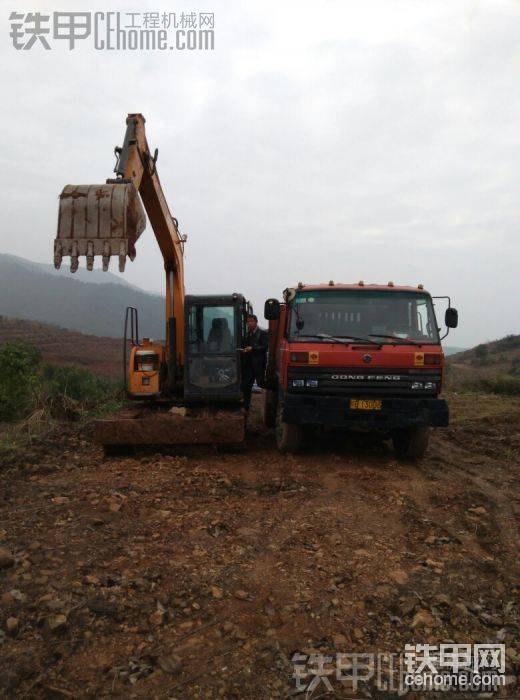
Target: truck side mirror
x,y
272,310
451,317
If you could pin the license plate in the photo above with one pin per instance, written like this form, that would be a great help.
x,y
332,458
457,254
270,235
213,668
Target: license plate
x,y
366,404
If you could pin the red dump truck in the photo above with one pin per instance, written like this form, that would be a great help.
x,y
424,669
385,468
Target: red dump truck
x,y
356,356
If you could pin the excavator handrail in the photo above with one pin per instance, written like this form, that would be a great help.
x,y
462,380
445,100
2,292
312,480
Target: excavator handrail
x,y
132,315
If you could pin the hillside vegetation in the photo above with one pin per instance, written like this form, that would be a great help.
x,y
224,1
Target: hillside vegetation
x,y
51,375
27,384
493,367
58,346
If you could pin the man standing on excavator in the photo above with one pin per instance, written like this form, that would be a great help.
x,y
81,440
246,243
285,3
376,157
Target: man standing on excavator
x,y
254,357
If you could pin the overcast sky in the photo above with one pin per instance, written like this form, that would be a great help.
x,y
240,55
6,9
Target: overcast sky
x,y
335,140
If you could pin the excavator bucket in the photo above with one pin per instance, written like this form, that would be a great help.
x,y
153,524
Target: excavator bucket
x,y
102,220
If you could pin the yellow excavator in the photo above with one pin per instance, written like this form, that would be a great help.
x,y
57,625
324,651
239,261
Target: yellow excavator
x,y
187,388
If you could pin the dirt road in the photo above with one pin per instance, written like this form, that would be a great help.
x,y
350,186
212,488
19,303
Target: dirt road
x,y
201,575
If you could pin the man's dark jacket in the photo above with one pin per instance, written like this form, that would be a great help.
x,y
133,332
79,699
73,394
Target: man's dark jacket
x,y
256,359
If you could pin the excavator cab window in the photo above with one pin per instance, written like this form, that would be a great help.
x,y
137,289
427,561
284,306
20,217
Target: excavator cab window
x,y
214,332
211,329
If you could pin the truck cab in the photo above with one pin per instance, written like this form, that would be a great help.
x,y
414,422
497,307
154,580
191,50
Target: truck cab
x,y
356,356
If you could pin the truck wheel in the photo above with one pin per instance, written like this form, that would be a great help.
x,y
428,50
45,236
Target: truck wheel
x,y
269,408
411,443
288,435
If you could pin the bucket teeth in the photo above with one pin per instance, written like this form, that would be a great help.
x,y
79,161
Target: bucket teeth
x,y
74,258
106,256
90,255
122,256
58,255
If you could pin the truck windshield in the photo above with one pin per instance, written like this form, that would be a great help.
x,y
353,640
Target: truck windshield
x,y
384,316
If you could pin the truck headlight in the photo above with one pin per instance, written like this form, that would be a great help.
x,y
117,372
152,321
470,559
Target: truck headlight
x,y
430,386
416,386
312,383
298,383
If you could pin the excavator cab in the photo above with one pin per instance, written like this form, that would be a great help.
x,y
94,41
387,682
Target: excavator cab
x,y
215,327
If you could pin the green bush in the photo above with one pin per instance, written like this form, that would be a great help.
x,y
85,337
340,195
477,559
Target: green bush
x,y
60,392
515,366
501,384
508,343
75,383
19,379
481,354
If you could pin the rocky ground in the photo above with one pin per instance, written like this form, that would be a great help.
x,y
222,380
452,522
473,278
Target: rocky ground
x,y
202,574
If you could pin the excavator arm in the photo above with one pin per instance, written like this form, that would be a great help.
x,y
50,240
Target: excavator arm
x,y
106,220
136,164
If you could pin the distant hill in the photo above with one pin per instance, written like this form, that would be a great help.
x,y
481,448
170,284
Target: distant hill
x,y
88,302
58,346
82,274
451,350
497,356
492,367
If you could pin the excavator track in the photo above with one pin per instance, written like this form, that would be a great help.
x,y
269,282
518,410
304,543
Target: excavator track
x,y
176,426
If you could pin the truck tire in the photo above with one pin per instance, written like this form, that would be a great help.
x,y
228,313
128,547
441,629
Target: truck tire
x,y
270,408
411,443
288,435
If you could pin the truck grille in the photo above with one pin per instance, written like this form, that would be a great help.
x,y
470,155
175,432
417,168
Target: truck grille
x,y
346,381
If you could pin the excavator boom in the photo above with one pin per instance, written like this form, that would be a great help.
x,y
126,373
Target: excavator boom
x,y
106,220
